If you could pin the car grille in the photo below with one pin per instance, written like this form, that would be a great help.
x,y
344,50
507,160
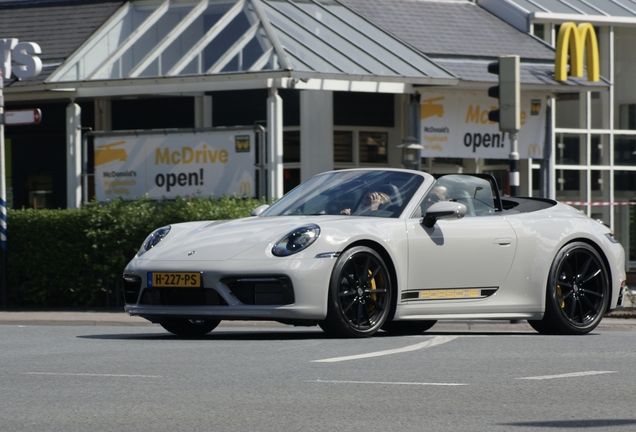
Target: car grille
x,y
267,290
132,285
181,297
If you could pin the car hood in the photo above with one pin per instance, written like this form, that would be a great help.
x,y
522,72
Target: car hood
x,y
222,240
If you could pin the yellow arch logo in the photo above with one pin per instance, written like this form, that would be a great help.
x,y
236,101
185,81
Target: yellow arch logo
x,y
534,150
577,41
245,189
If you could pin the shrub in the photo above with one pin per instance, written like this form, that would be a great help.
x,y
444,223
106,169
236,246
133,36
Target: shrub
x,y
73,258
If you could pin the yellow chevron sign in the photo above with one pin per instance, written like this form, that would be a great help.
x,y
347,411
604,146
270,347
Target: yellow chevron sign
x,y
106,153
576,41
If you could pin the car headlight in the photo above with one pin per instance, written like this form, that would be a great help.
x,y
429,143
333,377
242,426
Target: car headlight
x,y
297,240
153,239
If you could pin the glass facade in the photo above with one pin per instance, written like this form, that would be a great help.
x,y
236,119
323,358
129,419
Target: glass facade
x,y
153,38
594,140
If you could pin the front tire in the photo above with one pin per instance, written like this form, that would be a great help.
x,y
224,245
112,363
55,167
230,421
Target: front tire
x,y
577,293
360,294
188,327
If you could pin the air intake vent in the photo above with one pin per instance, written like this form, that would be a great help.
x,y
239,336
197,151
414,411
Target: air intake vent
x,y
267,290
132,285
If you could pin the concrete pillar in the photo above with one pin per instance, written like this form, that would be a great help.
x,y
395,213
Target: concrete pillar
x,y
203,111
103,115
73,156
274,145
316,133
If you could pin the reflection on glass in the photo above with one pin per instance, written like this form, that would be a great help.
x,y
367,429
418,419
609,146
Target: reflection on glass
x,y
570,111
291,146
539,31
537,183
600,185
570,149
625,232
571,185
625,150
372,147
599,110
343,146
624,72
600,149
291,178
625,215
625,185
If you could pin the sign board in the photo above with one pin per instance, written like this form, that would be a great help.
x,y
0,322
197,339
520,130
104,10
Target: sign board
x,y
213,163
21,117
19,58
456,125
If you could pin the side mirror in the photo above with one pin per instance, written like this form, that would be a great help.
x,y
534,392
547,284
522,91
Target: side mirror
x,y
443,210
260,209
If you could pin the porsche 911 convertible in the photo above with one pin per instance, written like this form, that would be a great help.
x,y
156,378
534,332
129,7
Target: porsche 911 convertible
x,y
362,250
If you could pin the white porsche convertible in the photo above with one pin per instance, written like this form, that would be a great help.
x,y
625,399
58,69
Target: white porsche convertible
x,y
363,250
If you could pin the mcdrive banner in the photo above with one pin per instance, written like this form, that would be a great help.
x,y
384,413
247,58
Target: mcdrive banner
x,y
213,163
456,125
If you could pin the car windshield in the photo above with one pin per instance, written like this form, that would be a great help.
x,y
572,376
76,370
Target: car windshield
x,y
358,192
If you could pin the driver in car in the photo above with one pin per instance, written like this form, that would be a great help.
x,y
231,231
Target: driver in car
x,y
372,201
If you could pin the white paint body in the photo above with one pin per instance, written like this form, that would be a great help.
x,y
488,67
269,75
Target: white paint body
x,y
509,251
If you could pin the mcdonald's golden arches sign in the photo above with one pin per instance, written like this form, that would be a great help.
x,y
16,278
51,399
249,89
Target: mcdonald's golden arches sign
x,y
577,41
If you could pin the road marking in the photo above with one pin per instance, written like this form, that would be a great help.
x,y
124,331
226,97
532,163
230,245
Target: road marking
x,y
568,375
387,383
93,375
438,340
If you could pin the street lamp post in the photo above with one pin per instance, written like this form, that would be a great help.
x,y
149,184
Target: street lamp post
x,y
411,153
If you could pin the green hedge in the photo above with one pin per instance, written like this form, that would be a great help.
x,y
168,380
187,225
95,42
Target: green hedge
x,y
75,257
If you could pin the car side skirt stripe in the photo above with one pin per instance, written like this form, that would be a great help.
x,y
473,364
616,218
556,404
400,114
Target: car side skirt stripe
x,y
448,294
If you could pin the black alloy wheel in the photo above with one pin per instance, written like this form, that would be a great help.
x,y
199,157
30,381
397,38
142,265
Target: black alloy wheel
x,y
189,327
577,293
359,294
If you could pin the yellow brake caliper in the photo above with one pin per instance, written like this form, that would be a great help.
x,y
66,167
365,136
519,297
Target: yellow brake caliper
x,y
560,296
372,287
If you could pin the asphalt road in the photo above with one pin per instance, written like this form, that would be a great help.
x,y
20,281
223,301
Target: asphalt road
x,y
460,376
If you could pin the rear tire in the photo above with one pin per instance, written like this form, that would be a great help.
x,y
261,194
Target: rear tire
x,y
189,327
408,327
577,293
360,294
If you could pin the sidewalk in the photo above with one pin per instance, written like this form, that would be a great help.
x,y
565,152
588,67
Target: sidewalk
x,y
88,318
620,320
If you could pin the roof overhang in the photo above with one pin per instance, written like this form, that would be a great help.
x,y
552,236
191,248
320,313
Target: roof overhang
x,y
557,18
151,47
208,83
599,12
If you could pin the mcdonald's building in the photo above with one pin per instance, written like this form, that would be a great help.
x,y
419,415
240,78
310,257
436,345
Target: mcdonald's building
x,y
176,97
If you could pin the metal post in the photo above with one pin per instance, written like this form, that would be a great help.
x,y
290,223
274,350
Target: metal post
x,y
414,126
3,199
274,144
514,164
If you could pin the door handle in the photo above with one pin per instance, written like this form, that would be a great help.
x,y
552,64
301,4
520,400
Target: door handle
x,y
505,241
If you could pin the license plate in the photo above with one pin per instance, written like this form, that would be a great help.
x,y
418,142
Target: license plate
x,y
174,279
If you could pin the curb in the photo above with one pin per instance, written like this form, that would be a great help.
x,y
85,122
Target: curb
x,y
618,320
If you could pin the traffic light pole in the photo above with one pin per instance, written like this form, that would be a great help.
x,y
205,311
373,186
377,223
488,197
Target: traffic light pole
x,y
3,199
508,92
514,164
